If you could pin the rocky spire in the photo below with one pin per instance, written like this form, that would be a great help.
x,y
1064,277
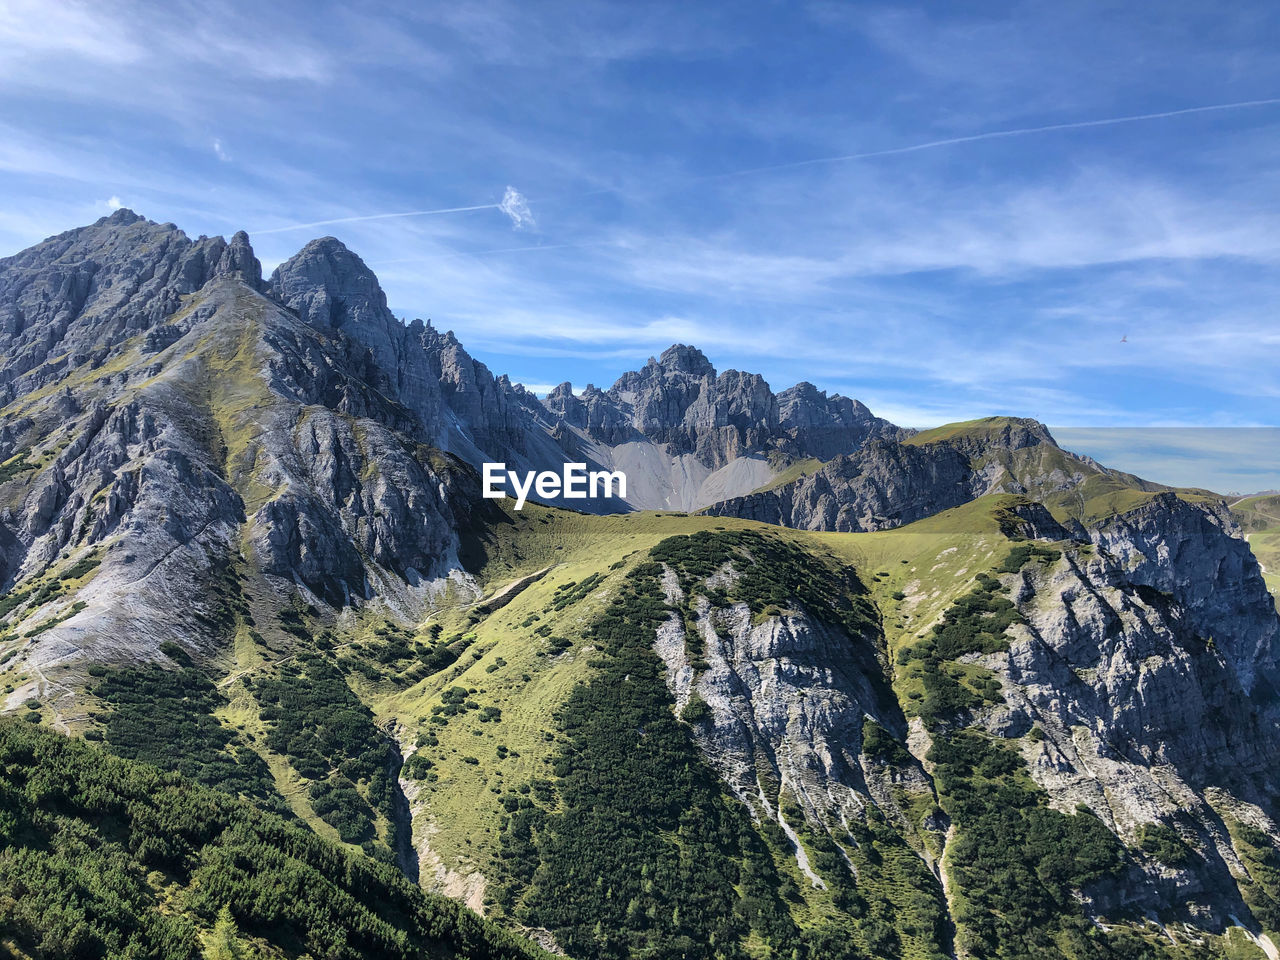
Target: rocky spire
x,y
239,261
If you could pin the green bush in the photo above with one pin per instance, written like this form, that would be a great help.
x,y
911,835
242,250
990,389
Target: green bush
x,y
1164,844
695,711
105,857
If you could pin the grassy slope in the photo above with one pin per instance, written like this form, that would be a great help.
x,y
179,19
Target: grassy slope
x,y
914,574
930,562
801,468
1259,517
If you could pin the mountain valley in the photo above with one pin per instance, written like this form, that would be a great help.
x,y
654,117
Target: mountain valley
x,y
821,687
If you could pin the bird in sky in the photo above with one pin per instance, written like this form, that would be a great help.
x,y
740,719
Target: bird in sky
x,y
1125,338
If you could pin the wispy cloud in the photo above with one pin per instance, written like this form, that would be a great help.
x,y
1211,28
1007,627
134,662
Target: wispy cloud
x,y
32,28
516,207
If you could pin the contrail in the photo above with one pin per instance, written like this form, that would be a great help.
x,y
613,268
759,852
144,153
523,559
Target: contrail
x,y
519,217
998,134
380,216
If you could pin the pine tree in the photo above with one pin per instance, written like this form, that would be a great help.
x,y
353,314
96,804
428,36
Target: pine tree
x,y
224,941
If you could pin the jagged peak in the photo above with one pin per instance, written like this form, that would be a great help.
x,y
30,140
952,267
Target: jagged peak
x,y
682,358
328,246
803,389
124,216
328,284
238,260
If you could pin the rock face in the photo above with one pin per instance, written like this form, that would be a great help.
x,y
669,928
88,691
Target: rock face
x,y
690,437
887,482
883,485
1145,720
1195,553
77,296
209,428
788,697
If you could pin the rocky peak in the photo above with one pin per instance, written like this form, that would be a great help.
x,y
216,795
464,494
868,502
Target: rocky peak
x,y
1019,432
560,392
122,217
76,295
329,286
1009,433
680,358
678,400
238,261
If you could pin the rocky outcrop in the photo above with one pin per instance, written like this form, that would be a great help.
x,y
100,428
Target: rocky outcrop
x,y
73,299
889,482
332,290
679,402
787,699
1195,553
883,485
825,427
1143,719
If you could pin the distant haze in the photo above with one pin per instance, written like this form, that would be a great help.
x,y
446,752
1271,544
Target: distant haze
x,y
1239,460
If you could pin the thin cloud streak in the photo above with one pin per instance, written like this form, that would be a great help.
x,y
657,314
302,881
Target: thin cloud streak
x,y
999,134
377,216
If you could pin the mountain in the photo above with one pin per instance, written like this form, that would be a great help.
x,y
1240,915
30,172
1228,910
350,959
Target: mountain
x,y
687,437
958,693
887,483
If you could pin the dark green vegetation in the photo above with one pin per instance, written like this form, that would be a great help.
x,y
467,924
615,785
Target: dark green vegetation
x,y
1014,861
165,717
570,593
15,466
331,740
776,574
644,856
879,744
1262,860
642,853
105,857
975,623
1164,844
1023,554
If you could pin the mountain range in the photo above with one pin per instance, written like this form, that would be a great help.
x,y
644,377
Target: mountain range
x,y
818,687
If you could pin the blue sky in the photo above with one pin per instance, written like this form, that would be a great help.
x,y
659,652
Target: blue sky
x,y
638,174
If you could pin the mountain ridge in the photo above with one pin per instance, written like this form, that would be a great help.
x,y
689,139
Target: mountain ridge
x,y
951,693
